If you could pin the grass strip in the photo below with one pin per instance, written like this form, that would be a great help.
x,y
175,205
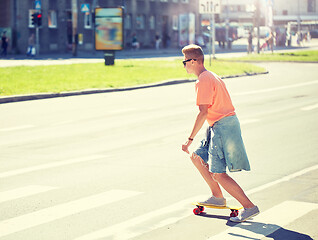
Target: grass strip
x,y
298,56
125,73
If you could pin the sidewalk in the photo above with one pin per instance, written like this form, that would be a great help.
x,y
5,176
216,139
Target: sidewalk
x,y
238,48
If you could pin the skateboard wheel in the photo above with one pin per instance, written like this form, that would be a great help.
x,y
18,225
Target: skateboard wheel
x,y
201,208
196,211
234,213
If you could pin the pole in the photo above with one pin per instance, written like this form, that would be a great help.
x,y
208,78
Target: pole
x,y
74,27
298,18
227,22
213,35
210,40
257,23
93,21
37,40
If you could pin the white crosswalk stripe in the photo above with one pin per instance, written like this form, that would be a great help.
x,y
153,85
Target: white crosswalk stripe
x,y
311,107
49,165
23,192
16,128
46,215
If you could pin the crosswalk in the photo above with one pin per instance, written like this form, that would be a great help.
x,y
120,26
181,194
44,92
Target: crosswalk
x,y
267,222
23,192
264,224
62,210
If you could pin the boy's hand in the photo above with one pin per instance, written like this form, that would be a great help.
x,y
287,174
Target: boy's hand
x,y
185,147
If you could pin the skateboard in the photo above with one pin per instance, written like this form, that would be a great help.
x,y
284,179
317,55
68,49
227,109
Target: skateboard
x,y
200,208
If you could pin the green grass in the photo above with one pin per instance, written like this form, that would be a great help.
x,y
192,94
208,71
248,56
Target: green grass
x,y
299,56
62,78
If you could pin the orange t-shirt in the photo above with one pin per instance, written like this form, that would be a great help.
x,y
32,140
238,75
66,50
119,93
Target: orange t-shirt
x,y
211,90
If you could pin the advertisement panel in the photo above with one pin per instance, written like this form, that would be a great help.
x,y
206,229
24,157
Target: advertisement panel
x,y
183,29
191,28
186,29
108,28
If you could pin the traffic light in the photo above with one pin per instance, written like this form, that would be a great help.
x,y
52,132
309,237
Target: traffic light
x,y
34,19
39,19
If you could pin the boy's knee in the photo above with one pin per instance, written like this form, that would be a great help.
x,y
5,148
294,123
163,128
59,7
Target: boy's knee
x,y
218,176
194,158
198,161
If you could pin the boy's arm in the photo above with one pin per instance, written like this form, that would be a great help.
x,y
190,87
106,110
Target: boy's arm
x,y
197,125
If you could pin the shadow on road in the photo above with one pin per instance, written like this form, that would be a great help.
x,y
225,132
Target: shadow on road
x,y
271,231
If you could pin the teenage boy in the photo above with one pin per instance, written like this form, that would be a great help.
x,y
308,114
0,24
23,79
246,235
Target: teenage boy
x,y
223,142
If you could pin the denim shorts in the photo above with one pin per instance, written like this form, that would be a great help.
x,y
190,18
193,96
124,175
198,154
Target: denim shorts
x,y
223,146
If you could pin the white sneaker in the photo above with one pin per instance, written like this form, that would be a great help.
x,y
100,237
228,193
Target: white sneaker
x,y
213,201
246,214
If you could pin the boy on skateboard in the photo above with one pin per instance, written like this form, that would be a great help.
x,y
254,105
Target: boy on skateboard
x,y
223,143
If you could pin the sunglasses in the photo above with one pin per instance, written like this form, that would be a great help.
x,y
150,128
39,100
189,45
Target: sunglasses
x,y
188,60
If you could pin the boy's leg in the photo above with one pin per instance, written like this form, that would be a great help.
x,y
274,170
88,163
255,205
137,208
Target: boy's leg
x,y
250,210
203,169
233,189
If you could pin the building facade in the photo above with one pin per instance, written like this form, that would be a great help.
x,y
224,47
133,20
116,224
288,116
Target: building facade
x,y
176,22
143,18
303,10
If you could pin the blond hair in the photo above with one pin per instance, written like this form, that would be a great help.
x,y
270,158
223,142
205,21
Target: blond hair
x,y
193,51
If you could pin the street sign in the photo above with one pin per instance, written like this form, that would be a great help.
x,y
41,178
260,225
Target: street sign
x,y
209,6
38,5
85,7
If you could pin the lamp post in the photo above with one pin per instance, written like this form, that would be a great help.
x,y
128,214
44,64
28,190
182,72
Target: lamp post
x,y
298,17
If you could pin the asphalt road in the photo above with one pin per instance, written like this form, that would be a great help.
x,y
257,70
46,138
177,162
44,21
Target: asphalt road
x,y
110,166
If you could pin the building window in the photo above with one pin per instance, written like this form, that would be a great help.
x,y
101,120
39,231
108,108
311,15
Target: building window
x,y
152,23
127,22
140,21
175,22
87,20
52,20
311,7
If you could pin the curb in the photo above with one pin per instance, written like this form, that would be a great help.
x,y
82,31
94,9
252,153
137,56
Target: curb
x,y
38,96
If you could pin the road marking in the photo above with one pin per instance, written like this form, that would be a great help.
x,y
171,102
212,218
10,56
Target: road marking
x,y
49,165
267,222
311,107
283,179
167,215
16,128
276,89
23,192
50,214
136,226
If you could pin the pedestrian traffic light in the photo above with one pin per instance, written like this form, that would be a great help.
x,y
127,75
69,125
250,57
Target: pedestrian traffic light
x,y
39,19
34,19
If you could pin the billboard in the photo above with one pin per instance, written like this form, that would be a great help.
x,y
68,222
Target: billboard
x,y
191,28
109,29
186,29
183,29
